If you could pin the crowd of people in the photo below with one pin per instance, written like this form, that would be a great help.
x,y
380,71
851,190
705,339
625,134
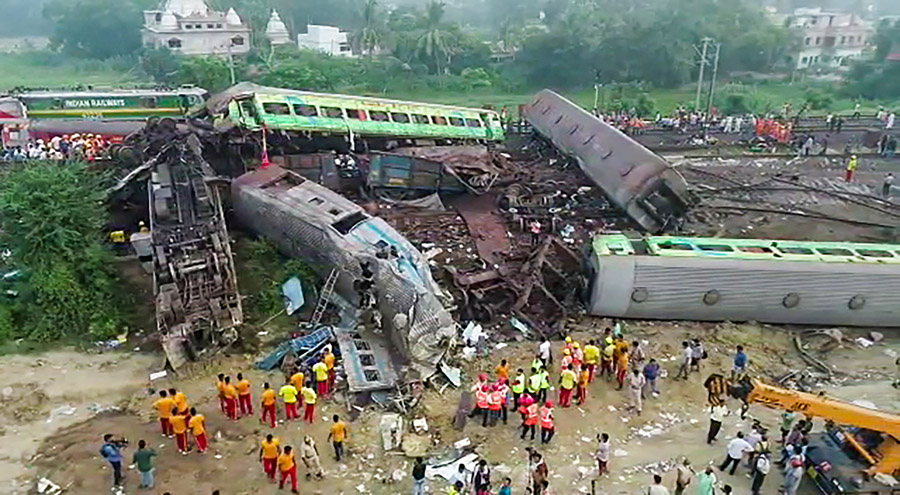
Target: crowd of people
x,y
183,423
75,147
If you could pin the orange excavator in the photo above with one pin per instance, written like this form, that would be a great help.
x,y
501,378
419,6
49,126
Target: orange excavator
x,y
857,440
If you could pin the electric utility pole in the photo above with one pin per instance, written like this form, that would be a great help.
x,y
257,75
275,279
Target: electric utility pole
x,y
703,63
712,84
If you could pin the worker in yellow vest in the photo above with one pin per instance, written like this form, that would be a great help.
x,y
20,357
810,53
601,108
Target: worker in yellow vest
x,y
545,385
534,383
518,387
591,358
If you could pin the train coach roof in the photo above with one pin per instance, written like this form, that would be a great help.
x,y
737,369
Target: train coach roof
x,y
219,102
746,249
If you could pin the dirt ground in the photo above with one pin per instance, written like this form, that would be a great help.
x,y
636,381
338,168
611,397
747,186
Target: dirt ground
x,y
66,449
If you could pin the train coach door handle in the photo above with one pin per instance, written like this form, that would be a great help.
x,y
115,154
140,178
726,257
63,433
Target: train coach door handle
x,y
628,169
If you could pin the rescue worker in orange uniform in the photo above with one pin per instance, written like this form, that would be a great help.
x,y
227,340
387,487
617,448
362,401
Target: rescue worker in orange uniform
x,y
577,355
231,398
329,366
567,381
482,399
268,405
529,416
179,426
547,428
288,468
181,403
566,360
220,388
503,387
584,377
244,400
495,403
268,455
198,430
164,406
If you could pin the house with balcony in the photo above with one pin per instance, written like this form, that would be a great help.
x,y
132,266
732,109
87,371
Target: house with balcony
x,y
828,39
190,27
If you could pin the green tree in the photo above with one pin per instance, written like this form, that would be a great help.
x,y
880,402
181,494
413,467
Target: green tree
x,y
160,64
435,43
211,73
95,28
52,218
370,34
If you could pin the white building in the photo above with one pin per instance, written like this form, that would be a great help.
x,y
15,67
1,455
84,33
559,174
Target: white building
x,y
828,39
325,39
189,27
276,31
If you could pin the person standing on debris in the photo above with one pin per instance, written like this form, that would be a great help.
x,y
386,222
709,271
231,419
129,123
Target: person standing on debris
x,y
179,426
268,405
297,379
506,488
545,352
337,435
460,478
164,406
566,360
706,482
717,414
683,475
636,384
220,390
243,390
268,455
143,459
320,369
534,384
567,381
637,356
606,360
481,478
288,468
851,167
502,370
518,387
529,410
482,399
289,395
309,404
198,430
740,364
539,474
651,373
310,455
591,358
231,398
697,354
535,228
418,475
602,454
577,355
793,473
181,403
111,451
495,403
545,385
584,378
622,365
547,427
736,449
329,359
503,389
685,367
886,185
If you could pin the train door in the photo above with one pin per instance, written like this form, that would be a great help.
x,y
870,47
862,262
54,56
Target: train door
x,y
249,115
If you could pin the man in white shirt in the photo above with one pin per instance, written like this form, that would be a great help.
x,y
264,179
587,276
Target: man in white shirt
x,y
544,351
736,450
602,454
636,383
685,360
657,487
759,474
717,414
462,475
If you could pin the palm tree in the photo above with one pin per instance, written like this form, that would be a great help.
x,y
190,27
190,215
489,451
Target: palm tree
x,y
369,36
434,41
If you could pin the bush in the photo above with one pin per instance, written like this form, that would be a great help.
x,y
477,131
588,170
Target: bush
x,y
818,100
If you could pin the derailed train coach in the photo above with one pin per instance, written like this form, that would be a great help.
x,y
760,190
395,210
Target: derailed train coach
x,y
330,232
635,179
712,279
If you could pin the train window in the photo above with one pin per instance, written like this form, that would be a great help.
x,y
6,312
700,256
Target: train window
x,y
248,108
400,118
277,108
316,201
346,224
457,122
57,103
795,250
834,251
333,112
420,119
755,249
355,114
721,248
378,116
306,110
678,246
438,120
473,122
875,253
150,101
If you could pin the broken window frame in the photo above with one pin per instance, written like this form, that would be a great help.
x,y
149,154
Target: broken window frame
x,y
285,109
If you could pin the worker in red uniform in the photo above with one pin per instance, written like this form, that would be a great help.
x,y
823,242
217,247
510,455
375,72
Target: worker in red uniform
x,y
268,455
288,468
231,398
567,381
482,400
529,410
495,403
503,386
198,430
584,377
547,428
220,389
268,405
329,359
244,400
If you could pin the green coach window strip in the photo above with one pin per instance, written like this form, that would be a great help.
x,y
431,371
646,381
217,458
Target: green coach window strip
x,y
473,122
835,251
400,118
438,120
457,122
306,110
333,112
378,116
277,108
420,119
355,113
874,253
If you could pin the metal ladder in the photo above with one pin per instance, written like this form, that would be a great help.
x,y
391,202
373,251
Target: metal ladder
x,y
323,298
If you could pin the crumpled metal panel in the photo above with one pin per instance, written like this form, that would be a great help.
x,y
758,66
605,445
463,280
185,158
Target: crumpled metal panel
x,y
300,216
634,178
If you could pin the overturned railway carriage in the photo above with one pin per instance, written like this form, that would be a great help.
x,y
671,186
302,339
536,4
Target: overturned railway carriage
x,y
712,279
315,120
635,179
329,232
